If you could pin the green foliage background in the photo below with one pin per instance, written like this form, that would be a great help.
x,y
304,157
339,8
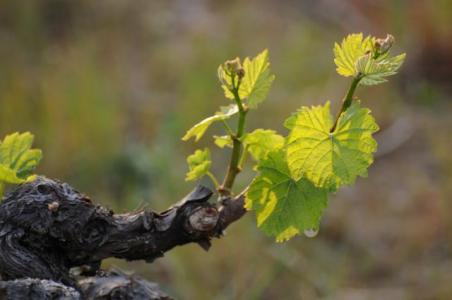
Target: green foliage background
x,y
108,88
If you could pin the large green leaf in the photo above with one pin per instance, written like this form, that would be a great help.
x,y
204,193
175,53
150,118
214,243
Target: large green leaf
x,y
330,159
198,130
284,206
262,141
198,164
351,49
256,82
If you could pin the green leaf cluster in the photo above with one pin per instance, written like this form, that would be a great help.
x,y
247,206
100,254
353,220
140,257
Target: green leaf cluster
x,y
368,58
296,173
17,159
247,85
256,81
290,193
198,164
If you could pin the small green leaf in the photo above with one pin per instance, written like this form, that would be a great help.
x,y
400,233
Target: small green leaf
x,y
223,141
374,71
17,160
284,206
331,159
198,164
257,80
260,142
289,123
9,175
226,81
346,55
198,130
255,84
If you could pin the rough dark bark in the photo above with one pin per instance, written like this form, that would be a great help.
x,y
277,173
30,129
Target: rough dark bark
x,y
36,289
112,285
116,285
47,227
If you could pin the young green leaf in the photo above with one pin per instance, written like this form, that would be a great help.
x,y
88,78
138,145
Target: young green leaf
x,y
289,123
229,74
16,155
374,71
223,141
198,164
256,82
350,50
8,175
330,159
260,142
17,160
368,58
198,130
284,206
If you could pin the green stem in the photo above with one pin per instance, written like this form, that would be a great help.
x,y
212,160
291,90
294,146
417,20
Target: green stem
x,y
243,158
226,126
234,168
347,101
214,179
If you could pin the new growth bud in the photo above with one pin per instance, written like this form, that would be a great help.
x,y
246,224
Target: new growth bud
x,y
234,67
382,46
229,72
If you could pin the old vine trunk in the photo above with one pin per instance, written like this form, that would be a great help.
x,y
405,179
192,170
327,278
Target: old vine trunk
x,y
47,228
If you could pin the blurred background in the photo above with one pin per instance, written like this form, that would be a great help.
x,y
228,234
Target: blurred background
x,y
109,88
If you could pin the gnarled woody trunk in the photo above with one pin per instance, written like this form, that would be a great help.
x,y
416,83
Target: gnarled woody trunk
x,y
47,227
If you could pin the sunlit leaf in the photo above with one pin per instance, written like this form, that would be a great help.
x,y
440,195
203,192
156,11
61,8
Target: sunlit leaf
x,y
261,141
350,50
255,84
223,141
284,206
375,71
289,123
198,130
363,58
258,79
330,159
226,82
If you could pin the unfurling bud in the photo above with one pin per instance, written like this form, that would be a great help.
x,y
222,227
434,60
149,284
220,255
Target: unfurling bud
x,y
383,45
234,67
229,72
